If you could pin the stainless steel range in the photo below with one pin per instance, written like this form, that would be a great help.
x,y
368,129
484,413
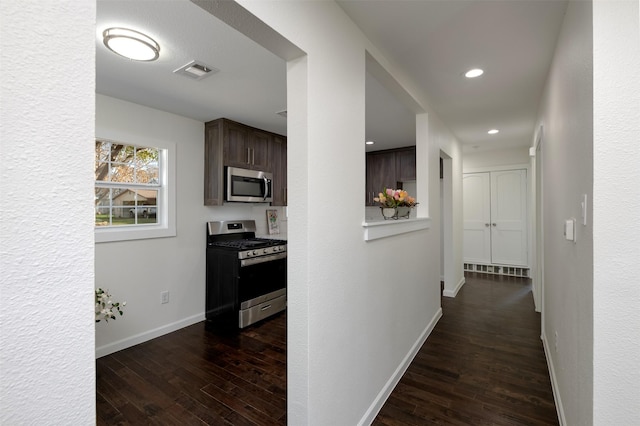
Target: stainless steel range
x,y
246,276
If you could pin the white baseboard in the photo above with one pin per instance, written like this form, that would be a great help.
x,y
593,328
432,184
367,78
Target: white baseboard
x,y
377,404
454,292
554,381
147,335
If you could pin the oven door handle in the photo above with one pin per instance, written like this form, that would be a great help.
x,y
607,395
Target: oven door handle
x,y
262,259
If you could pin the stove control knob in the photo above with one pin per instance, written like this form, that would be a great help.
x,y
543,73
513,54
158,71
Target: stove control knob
x,y
276,248
255,252
265,251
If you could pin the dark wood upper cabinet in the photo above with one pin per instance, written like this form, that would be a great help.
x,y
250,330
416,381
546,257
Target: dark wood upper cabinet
x,y
381,173
246,147
213,164
236,144
260,143
406,164
278,162
386,169
229,143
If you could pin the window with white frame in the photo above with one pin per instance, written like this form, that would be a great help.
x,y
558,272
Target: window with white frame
x,y
130,191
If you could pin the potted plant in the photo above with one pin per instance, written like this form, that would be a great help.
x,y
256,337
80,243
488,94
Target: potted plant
x,y
395,203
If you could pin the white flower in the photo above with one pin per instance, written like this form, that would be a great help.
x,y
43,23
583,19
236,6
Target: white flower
x,y
105,306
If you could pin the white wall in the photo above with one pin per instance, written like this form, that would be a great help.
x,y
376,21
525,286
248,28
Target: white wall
x,y
451,221
591,127
566,113
616,202
137,271
357,309
47,366
495,158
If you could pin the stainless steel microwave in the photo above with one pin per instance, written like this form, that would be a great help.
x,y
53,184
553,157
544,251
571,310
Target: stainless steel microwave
x,y
248,186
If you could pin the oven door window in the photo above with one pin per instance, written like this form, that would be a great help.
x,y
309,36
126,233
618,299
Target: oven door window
x,y
262,278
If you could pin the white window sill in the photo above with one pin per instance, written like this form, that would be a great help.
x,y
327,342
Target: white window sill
x,y
127,233
388,228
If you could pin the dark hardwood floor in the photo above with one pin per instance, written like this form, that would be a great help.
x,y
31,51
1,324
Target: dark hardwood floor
x,y
196,376
482,364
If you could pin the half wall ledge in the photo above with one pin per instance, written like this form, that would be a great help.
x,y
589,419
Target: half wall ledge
x,y
388,228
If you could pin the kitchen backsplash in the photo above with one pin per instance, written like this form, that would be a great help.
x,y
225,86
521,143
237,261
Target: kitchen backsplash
x,y
257,212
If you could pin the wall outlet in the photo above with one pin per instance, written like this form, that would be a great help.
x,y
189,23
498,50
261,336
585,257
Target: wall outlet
x,y
164,297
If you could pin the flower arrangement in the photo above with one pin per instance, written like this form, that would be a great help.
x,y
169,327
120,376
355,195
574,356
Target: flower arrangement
x,y
392,198
105,307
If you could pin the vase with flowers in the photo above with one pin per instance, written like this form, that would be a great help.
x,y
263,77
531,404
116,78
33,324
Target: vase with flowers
x,y
395,203
105,307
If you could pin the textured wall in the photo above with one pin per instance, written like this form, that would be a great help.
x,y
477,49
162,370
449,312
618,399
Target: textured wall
x,y
616,203
46,212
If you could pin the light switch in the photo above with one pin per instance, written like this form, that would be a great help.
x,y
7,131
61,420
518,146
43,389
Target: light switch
x,y
570,229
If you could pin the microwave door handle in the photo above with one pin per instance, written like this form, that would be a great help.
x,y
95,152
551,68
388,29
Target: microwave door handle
x,y
266,188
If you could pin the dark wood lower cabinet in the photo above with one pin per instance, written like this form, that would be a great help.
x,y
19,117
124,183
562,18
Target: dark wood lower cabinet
x,y
483,364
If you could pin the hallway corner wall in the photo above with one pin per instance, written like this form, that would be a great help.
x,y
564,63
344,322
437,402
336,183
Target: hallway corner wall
x,y
566,112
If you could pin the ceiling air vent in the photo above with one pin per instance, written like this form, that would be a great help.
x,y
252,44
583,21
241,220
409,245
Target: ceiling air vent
x,y
196,70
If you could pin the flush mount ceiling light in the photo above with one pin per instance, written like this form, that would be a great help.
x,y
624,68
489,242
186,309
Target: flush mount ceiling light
x,y
493,131
476,72
131,44
369,142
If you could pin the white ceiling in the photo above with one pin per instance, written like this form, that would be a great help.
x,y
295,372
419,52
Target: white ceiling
x,y
434,41
250,86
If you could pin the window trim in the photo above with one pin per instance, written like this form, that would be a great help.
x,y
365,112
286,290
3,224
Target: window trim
x,y
166,226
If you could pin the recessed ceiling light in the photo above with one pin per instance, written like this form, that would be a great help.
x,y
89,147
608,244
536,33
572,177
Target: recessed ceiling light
x,y
369,142
131,44
493,131
476,72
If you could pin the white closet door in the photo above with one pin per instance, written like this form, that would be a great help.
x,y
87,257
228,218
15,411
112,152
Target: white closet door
x,y
508,217
477,217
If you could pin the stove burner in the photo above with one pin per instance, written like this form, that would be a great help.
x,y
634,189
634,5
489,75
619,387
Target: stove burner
x,y
247,243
